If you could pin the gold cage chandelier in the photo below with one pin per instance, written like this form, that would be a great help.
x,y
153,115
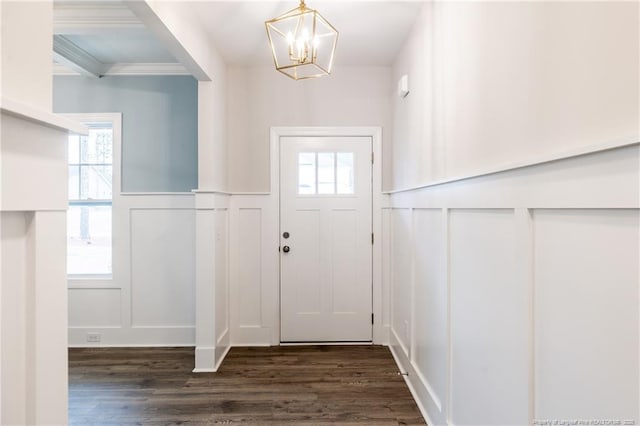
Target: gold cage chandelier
x,y
302,43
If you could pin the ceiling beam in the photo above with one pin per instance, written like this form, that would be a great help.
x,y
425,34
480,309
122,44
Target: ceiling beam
x,y
67,53
157,27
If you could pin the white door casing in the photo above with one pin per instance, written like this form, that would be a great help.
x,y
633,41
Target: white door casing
x,y
326,260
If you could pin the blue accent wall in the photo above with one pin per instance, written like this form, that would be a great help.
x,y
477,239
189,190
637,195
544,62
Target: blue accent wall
x,y
159,125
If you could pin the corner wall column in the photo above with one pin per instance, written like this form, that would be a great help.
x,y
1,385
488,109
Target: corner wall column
x,y
205,283
46,242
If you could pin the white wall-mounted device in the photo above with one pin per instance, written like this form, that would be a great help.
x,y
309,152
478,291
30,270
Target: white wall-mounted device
x,y
403,86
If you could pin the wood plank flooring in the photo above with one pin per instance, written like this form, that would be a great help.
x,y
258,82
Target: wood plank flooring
x,y
268,385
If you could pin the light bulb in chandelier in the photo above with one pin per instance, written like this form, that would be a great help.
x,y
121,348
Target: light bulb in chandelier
x,y
300,47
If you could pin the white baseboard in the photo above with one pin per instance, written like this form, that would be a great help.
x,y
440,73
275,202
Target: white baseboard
x,y
133,337
221,354
98,345
410,376
205,359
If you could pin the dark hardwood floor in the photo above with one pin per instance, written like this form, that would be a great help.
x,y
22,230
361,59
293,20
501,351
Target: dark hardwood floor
x,y
269,385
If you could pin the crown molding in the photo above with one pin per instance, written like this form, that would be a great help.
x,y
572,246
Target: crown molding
x,y
67,53
129,69
73,17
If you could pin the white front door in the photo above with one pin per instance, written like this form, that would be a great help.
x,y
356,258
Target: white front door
x,y
325,239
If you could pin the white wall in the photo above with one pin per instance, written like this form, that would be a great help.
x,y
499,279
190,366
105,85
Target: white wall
x,y
22,191
510,287
212,133
14,315
259,98
24,70
494,84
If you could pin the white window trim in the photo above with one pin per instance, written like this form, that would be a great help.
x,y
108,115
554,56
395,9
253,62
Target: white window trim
x,y
104,280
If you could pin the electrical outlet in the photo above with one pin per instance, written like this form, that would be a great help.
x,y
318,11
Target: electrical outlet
x,y
93,337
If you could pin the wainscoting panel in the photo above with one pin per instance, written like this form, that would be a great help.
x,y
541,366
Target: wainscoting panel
x,y
586,310
430,351
522,294
162,267
150,299
402,281
249,278
222,274
386,260
489,364
95,307
254,270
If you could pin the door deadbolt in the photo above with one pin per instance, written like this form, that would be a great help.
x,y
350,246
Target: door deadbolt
x,y
285,235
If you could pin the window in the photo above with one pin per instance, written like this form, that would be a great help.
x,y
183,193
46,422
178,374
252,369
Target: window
x,y
89,220
325,173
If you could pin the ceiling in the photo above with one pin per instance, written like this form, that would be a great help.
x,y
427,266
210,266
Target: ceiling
x,y
106,35
371,32
117,47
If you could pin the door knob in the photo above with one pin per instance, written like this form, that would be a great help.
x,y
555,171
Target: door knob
x,y
286,249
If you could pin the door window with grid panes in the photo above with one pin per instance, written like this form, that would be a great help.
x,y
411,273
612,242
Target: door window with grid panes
x,y
325,173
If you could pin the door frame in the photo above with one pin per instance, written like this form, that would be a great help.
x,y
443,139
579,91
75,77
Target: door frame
x,y
375,133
